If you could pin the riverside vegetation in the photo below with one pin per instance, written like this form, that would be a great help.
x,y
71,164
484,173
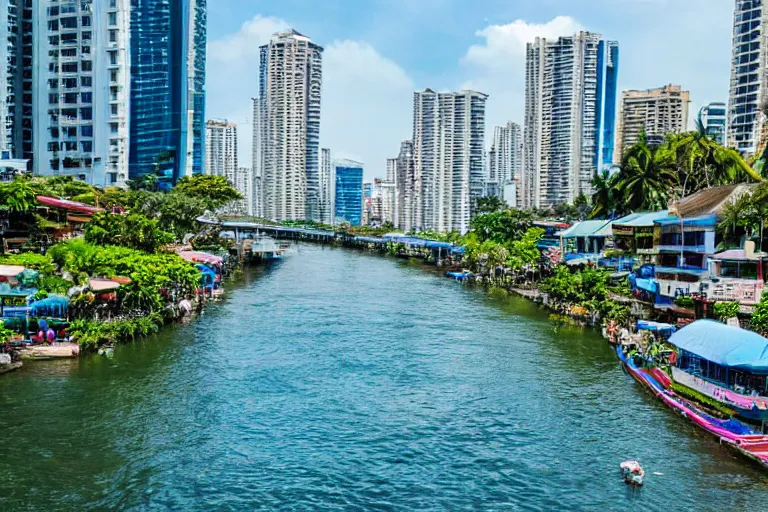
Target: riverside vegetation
x,y
128,240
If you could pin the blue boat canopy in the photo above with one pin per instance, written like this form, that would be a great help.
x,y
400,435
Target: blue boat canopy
x,y
724,345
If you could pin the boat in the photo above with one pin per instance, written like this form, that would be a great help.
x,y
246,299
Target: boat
x,y
743,437
264,248
460,276
632,472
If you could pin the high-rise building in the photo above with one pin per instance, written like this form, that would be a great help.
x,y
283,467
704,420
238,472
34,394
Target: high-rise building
x,y
712,119
221,148
290,79
256,165
325,189
505,160
569,105
655,112
80,104
405,182
167,86
242,180
16,43
348,192
749,77
448,153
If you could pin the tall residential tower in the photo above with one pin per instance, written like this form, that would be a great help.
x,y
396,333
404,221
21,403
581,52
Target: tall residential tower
x,y
569,122
749,77
448,153
506,160
80,91
290,81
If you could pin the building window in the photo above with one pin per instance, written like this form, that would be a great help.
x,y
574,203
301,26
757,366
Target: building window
x,y
86,97
70,22
112,16
87,65
86,131
87,146
53,99
86,21
113,36
113,109
86,113
86,81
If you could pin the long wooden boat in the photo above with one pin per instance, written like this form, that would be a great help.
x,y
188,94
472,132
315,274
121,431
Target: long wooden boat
x,y
737,435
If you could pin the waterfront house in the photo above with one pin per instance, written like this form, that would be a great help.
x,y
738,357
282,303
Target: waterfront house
x,y
726,364
584,241
634,234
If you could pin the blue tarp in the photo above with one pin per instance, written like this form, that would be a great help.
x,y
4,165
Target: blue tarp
x,y
53,306
724,345
663,328
648,285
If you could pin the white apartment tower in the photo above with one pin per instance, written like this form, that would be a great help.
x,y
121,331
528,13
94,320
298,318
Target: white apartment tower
x,y
290,80
221,148
506,159
749,77
570,83
655,112
15,82
256,164
81,89
405,188
325,188
448,149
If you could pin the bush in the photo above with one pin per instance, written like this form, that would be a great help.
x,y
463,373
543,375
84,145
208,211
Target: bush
x,y
684,301
725,310
92,335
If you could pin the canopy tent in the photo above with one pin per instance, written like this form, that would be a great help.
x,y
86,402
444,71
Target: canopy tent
x,y
660,327
727,346
103,285
70,206
201,257
587,228
11,270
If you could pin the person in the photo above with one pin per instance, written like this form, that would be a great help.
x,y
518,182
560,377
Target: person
x,y
43,325
51,335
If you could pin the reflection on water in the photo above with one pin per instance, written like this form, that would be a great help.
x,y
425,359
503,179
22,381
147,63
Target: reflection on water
x,y
336,380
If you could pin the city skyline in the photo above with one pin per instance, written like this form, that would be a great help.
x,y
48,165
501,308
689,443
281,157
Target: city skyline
x,y
371,75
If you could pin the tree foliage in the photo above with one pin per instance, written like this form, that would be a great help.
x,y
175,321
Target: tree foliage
x,y
216,191
489,204
135,231
503,226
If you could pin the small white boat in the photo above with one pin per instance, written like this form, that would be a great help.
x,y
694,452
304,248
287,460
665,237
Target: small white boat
x,y
632,472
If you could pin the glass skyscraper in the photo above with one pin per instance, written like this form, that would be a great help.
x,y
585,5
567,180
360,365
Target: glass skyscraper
x,y
167,126
348,192
607,82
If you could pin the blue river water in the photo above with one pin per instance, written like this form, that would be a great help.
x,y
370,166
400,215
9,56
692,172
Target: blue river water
x,y
338,380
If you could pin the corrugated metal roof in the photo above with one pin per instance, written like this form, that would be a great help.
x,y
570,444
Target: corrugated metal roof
x,y
713,200
642,219
585,228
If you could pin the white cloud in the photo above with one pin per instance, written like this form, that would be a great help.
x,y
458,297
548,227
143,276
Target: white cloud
x,y
233,77
497,65
367,104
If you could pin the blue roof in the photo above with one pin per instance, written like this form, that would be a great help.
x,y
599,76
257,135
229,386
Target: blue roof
x,y
586,228
704,220
724,345
642,219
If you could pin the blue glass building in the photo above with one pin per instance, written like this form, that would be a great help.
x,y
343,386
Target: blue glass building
x,y
348,192
607,91
167,126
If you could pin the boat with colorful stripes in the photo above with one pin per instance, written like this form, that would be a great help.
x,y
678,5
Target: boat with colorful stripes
x,y
738,430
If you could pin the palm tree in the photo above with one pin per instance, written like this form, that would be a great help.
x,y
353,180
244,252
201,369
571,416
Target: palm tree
x,y
644,181
701,162
603,199
737,214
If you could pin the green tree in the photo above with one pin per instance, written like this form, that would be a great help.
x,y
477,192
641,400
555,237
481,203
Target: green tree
x,y
502,227
135,231
644,181
216,191
524,251
18,195
489,204
605,200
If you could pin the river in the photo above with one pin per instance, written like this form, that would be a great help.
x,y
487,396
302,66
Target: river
x,y
336,380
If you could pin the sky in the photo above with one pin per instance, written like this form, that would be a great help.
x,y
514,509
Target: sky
x,y
378,52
